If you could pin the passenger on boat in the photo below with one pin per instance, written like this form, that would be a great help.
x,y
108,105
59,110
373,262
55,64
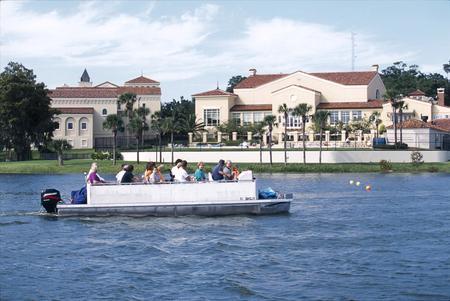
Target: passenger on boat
x,y
121,173
174,169
217,172
148,171
92,176
128,177
228,171
235,172
157,176
182,175
199,174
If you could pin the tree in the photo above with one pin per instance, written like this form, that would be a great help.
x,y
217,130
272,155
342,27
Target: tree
x,y
136,126
446,68
59,146
270,122
191,125
234,81
374,118
25,113
114,123
171,126
156,125
143,112
283,109
392,97
302,110
260,130
128,99
320,120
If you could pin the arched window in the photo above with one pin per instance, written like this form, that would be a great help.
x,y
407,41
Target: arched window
x,y
83,124
69,123
104,112
377,94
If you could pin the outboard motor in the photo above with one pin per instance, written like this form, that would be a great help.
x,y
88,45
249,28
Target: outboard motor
x,y
49,199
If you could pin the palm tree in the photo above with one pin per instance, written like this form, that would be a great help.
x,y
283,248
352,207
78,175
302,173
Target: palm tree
x,y
320,120
156,125
190,124
393,97
59,146
143,112
137,126
270,122
260,131
283,109
114,123
128,99
375,118
170,125
446,68
302,110
401,105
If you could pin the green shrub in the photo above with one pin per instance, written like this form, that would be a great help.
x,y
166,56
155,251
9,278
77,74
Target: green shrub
x,y
385,165
416,158
433,169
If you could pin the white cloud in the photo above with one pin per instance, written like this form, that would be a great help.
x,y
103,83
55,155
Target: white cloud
x,y
181,47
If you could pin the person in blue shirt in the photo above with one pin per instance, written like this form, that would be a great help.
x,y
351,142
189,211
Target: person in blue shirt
x,y
217,172
199,174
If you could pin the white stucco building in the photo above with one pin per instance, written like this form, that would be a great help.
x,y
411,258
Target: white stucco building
x,y
84,108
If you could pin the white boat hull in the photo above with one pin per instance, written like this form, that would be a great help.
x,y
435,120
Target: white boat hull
x,y
176,199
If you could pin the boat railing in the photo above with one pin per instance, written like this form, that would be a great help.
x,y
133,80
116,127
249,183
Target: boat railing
x,y
171,183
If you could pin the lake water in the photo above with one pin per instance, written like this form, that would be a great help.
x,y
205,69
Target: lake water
x,y
339,242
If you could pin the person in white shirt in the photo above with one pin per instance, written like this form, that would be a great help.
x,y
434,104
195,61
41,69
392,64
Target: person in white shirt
x,y
181,174
121,173
174,169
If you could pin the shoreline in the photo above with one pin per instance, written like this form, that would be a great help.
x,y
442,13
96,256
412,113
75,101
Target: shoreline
x,y
82,165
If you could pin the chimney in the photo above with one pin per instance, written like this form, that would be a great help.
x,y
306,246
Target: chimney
x,y
441,96
375,67
252,72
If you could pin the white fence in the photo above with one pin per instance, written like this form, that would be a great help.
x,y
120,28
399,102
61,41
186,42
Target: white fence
x,y
293,156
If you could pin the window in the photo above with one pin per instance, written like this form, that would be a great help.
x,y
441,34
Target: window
x,y
83,125
143,105
118,106
294,121
57,125
70,125
267,114
236,118
211,117
356,115
258,117
104,112
345,117
247,118
334,117
377,94
84,143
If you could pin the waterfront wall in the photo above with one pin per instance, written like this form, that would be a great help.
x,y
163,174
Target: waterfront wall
x,y
293,156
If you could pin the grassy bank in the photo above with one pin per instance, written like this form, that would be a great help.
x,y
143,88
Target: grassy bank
x,y
79,166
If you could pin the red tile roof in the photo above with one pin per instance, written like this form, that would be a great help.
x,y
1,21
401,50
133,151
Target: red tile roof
x,y
370,104
76,110
216,92
258,80
418,124
443,123
251,108
98,92
343,78
348,78
142,80
417,93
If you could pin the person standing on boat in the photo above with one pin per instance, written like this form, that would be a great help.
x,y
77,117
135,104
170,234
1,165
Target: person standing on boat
x,y
228,171
199,174
182,175
217,172
92,176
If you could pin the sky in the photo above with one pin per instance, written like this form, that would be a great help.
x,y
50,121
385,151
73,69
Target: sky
x,y
193,46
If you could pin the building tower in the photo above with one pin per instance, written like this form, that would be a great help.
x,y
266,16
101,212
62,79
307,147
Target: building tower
x,y
85,80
